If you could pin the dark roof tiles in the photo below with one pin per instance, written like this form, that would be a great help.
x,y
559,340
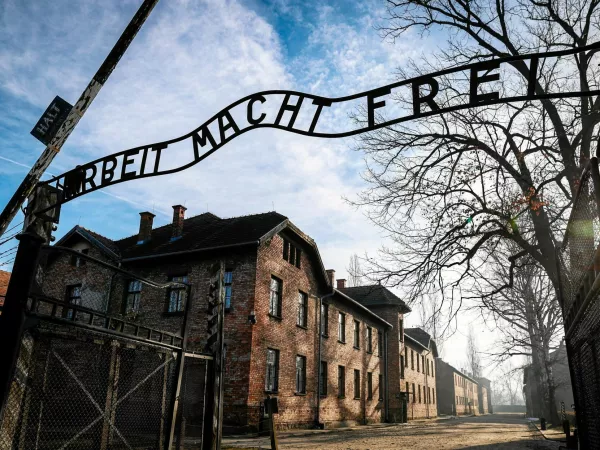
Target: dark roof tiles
x,y
374,295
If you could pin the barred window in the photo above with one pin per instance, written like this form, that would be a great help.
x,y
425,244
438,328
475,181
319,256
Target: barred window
x,y
177,294
276,291
134,293
301,374
323,379
73,297
78,261
324,319
356,334
227,281
272,377
341,381
291,253
341,327
302,309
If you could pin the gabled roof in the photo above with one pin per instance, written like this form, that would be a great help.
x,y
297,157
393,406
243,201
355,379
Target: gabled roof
x,y
205,231
374,295
104,244
359,306
422,338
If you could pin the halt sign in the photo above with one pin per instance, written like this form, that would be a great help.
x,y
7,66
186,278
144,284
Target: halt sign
x,y
51,120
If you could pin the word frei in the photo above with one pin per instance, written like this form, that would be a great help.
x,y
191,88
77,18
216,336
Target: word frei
x,y
303,114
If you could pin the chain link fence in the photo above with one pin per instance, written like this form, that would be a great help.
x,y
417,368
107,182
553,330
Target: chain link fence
x,y
99,366
579,267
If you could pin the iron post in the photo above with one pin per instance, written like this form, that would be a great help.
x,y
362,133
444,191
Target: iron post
x,y
12,320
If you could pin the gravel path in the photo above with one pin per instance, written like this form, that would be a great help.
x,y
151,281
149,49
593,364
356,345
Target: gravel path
x,y
491,432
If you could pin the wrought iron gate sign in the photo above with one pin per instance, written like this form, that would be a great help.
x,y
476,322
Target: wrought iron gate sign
x,y
302,113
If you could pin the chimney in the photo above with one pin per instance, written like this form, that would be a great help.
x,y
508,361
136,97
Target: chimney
x,y
146,219
341,283
178,217
331,276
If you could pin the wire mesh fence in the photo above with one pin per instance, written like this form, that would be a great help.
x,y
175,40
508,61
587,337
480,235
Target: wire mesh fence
x,y
99,369
579,267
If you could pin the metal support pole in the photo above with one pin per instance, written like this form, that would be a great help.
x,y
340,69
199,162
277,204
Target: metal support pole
x,y
12,320
83,103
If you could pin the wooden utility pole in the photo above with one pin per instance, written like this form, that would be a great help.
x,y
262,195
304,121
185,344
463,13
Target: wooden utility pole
x,y
76,113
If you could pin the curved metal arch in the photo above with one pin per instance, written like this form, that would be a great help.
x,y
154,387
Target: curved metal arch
x,y
79,181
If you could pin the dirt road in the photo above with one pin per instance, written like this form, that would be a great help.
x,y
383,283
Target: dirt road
x,y
491,432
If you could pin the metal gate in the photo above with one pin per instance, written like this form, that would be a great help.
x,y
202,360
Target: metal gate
x,y
87,379
579,270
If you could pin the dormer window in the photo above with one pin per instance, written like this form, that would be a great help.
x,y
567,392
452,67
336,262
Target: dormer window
x,y
292,253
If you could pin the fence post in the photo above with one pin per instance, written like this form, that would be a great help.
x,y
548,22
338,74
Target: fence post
x,y
179,372
12,320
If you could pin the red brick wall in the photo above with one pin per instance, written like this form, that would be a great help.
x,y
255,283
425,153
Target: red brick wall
x,y
423,405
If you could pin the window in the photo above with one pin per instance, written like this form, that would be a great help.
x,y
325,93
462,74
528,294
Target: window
x,y
272,378
379,344
76,261
341,327
301,374
341,381
407,391
324,319
302,309
177,293
369,340
405,356
227,288
323,380
356,334
433,394
73,295
419,387
418,367
291,253
402,366
369,385
275,300
356,383
423,363
412,359
432,371
381,387
427,364
413,392
134,292
401,330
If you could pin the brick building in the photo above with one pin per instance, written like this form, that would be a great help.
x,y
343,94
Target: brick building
x,y
457,392
275,286
485,395
418,373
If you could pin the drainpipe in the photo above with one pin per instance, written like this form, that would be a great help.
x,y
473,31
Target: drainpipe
x,y
426,381
386,400
318,371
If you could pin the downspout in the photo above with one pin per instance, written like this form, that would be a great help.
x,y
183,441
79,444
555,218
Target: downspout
x,y
386,400
426,382
318,371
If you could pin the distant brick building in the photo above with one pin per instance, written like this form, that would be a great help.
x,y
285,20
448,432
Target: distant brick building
x,y
457,391
275,275
4,279
485,395
418,375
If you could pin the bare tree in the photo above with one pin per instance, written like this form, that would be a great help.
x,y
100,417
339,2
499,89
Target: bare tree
x,y
474,364
432,320
528,322
507,389
450,189
355,272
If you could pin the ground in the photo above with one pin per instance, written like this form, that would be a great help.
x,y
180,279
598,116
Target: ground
x,y
490,432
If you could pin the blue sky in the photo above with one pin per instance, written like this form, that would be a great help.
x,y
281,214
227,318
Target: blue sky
x,y
192,58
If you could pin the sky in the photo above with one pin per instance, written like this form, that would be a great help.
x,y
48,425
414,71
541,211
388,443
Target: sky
x,y
191,59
